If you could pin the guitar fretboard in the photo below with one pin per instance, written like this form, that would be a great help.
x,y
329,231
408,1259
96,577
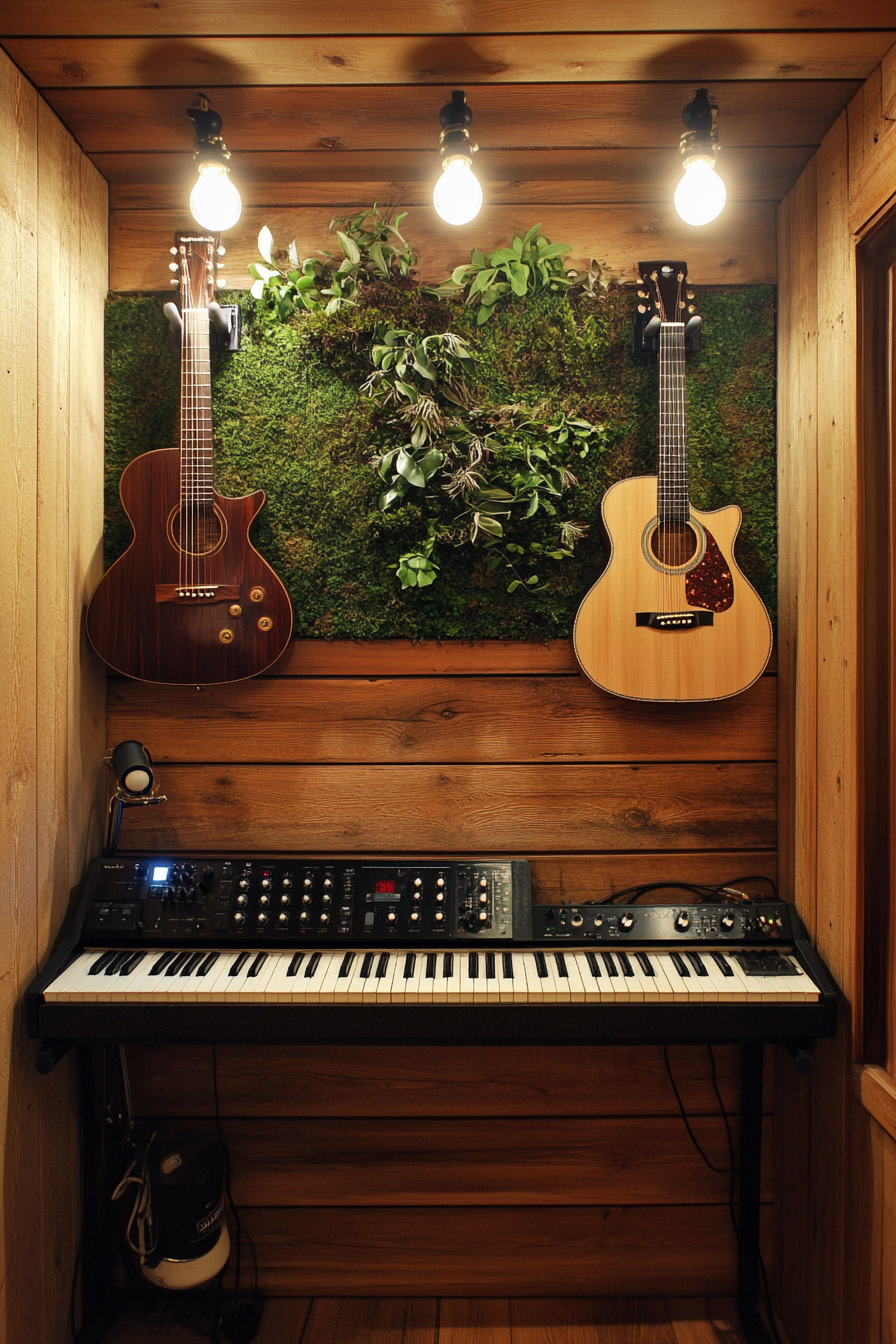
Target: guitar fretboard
x,y
196,466
672,487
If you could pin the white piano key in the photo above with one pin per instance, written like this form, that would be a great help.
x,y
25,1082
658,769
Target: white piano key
x,y
68,982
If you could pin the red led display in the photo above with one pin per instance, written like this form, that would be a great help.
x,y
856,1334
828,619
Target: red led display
x,y
384,887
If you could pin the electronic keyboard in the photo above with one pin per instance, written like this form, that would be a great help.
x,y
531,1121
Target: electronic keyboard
x,y
301,950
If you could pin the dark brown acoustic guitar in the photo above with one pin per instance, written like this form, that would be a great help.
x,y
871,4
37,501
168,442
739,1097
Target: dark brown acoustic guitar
x,y
191,602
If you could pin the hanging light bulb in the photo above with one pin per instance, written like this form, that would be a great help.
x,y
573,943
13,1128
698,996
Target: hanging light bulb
x,y
700,195
457,196
214,201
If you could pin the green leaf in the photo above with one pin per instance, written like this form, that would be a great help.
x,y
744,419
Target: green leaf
x,y
425,578
407,390
553,250
530,234
349,247
493,493
431,462
491,526
459,275
482,281
504,254
390,497
407,467
519,278
293,254
512,587
477,258
533,506
418,436
484,314
532,580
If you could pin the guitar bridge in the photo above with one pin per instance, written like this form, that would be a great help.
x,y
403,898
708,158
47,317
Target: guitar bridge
x,y
673,620
192,593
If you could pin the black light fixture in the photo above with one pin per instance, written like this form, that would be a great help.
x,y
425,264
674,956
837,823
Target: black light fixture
x,y
458,195
700,195
214,201
134,786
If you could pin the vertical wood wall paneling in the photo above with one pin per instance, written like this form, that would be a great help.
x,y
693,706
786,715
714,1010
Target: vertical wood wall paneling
x,y
834,1287
53,253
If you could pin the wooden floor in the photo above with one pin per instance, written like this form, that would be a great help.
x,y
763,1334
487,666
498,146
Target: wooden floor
x,y
463,1321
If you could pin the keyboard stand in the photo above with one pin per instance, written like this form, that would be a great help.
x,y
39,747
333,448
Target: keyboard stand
x,y
750,1195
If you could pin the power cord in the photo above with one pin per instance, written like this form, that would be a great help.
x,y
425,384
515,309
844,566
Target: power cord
x,y
730,1170
706,893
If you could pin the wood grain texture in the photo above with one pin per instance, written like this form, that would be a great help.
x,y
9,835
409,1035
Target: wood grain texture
x,y
212,17
517,58
589,1321
428,657
704,1321
343,809
475,1320
48,390
566,116
888,85
357,1082
320,177
438,1162
635,661
741,249
449,720
522,1251
372,1321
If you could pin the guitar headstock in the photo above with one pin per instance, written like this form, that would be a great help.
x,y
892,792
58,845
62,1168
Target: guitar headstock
x,y
197,264
664,297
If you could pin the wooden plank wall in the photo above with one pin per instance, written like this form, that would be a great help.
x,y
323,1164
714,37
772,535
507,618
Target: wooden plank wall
x,y
463,1170
836,1169
54,259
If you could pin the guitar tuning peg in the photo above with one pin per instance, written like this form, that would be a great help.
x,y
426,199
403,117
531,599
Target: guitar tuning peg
x,y
681,303
642,294
173,266
174,282
222,250
641,308
173,251
690,293
691,308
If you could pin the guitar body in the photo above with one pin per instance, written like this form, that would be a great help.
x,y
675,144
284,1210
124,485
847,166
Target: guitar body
x,y
670,659
203,612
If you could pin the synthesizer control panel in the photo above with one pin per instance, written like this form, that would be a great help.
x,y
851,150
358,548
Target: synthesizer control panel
x,y
270,901
761,922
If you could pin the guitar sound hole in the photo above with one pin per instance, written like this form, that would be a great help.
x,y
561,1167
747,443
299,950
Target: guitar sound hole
x,y
196,528
674,544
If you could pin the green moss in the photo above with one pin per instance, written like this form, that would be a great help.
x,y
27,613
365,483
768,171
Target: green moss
x,y
289,418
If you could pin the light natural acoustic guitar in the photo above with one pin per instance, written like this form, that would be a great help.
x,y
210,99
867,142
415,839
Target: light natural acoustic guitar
x,y
191,602
671,617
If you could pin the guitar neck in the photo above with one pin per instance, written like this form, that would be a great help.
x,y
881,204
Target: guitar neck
x,y
673,505
196,465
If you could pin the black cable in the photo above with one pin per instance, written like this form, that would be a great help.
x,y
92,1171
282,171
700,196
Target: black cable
x,y
706,893
722,1171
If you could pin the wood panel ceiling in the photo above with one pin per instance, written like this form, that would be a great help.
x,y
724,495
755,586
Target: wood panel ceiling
x,y
327,103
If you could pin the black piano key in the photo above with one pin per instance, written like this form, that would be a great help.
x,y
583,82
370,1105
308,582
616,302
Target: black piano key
x,y
366,965
256,965
561,965
313,963
293,967
116,963
132,963
507,963
162,962
209,963
627,968
694,959
430,965
102,962
489,965
593,964
541,966
448,966
473,965
722,962
239,963
346,965
174,967
381,965
644,962
191,963
607,958
410,962
679,965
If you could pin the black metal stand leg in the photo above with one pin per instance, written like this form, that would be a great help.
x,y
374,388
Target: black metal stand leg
x,y
750,1196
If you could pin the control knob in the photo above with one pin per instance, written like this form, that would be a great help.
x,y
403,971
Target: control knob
x,y
682,921
262,919
627,922
283,919
440,915
440,896
325,900
243,884
483,916
306,899
284,899
415,916
286,884
327,883
483,882
242,900
264,900
265,884
325,918
239,917
440,882
483,899
391,917
303,917
307,882
728,920
418,881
